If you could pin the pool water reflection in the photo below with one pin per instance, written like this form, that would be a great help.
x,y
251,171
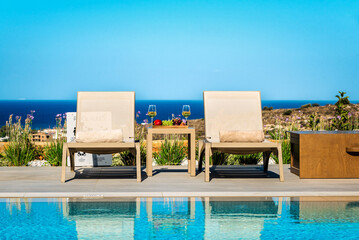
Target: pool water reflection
x,y
179,218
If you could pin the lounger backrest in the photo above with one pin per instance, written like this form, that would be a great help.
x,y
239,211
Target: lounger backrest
x,y
231,110
106,111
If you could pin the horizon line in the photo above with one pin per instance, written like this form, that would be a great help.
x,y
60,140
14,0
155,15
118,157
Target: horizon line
x,y
176,100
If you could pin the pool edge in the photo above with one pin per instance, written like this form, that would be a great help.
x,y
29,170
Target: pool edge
x,y
175,194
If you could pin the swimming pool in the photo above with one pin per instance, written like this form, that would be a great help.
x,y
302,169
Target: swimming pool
x,y
179,218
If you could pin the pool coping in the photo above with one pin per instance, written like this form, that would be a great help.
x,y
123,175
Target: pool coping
x,y
174,194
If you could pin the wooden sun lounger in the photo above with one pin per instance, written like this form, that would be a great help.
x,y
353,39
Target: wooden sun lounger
x,y
234,110
98,111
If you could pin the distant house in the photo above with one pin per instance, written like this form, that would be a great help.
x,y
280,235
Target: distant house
x,y
41,137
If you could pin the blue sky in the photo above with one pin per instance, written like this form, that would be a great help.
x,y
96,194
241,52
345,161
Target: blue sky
x,y
176,49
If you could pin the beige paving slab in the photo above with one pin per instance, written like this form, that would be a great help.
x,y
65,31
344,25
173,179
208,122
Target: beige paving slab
x,y
166,182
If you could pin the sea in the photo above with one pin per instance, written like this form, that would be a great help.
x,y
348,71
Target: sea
x,y
46,110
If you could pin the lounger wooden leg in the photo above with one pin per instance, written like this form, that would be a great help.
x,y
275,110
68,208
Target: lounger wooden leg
x,y
64,160
72,160
138,162
280,161
266,156
207,155
200,161
200,146
200,155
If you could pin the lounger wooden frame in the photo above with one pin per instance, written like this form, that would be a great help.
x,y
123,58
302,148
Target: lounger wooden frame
x,y
206,149
211,144
70,148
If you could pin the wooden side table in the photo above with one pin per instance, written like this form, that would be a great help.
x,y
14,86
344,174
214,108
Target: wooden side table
x,y
325,154
190,132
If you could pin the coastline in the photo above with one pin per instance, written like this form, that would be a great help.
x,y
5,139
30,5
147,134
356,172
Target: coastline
x,y
46,111
298,118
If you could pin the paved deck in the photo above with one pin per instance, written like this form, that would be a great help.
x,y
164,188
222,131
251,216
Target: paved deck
x,y
166,182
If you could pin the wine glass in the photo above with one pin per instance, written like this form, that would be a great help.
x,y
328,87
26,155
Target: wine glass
x,y
152,112
186,112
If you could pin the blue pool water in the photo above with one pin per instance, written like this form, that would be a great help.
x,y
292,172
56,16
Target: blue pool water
x,y
178,218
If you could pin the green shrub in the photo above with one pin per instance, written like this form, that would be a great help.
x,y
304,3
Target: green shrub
x,y
315,105
126,158
53,152
116,160
287,113
285,153
3,131
306,106
268,108
314,122
279,133
39,152
341,122
19,153
20,150
342,99
236,159
219,158
143,154
3,161
171,153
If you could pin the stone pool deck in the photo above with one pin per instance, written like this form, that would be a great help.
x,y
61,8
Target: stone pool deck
x,y
166,182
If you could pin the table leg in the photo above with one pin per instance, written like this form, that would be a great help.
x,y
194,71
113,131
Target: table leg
x,y
193,155
149,154
189,158
207,156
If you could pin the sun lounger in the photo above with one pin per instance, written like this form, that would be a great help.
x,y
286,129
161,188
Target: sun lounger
x,y
233,124
105,124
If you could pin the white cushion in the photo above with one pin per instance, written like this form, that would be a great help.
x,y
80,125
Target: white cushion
x,y
105,136
241,136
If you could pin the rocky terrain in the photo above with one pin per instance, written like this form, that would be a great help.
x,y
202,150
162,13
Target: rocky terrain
x,y
283,117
